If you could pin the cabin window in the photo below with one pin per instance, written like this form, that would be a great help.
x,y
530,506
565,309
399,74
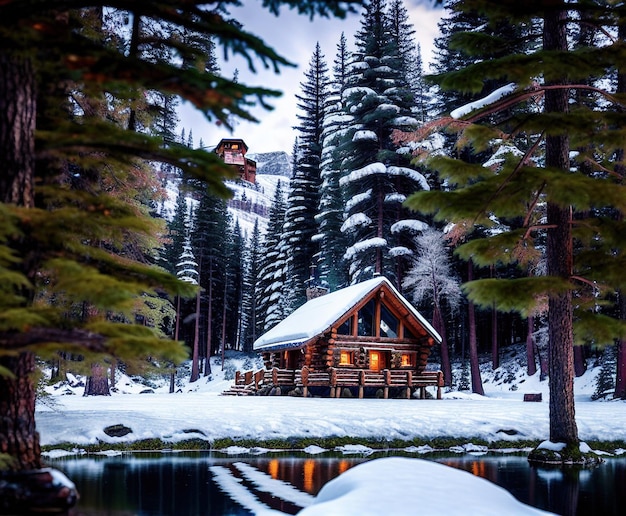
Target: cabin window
x,y
406,360
388,323
377,360
346,327
408,334
346,358
234,146
367,316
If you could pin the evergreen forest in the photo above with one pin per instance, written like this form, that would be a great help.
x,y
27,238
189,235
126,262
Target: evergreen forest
x,y
491,192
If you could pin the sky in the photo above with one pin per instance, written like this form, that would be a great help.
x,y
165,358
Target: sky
x,y
294,37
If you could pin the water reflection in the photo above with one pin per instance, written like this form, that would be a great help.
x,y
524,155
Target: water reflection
x,y
568,491
198,483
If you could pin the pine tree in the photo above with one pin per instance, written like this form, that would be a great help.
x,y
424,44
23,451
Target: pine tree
x,y
304,192
235,275
177,233
210,237
582,212
45,226
605,380
332,269
250,295
376,179
272,273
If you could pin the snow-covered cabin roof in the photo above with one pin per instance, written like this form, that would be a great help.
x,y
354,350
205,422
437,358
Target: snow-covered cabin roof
x,y
318,315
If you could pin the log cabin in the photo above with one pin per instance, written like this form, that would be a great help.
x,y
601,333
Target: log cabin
x,y
366,338
233,152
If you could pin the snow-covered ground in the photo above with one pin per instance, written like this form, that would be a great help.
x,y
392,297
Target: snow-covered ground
x,y
384,485
199,407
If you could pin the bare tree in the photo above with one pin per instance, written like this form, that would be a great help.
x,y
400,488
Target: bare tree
x,y
432,278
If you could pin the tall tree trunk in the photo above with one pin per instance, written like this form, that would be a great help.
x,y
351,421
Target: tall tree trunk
x,y
495,351
477,383
224,323
18,436
439,325
98,383
531,364
580,365
209,326
620,382
17,130
559,253
195,369
620,378
113,371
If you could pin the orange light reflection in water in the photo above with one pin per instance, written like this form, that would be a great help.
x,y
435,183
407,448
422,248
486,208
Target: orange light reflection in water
x,y
308,474
272,468
344,465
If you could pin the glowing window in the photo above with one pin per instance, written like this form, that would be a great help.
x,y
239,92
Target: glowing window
x,y
376,361
407,359
346,358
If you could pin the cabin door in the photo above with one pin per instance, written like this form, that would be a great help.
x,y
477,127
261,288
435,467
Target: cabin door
x,y
377,360
290,359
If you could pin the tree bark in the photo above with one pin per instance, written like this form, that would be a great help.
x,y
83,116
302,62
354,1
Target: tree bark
x,y
439,325
620,382
195,370
495,351
580,366
17,130
18,436
477,383
531,365
559,254
98,383
209,326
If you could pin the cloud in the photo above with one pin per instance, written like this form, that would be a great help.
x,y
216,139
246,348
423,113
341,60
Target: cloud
x,y
293,37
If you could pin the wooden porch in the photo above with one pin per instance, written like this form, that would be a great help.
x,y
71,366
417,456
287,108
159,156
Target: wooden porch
x,y
335,379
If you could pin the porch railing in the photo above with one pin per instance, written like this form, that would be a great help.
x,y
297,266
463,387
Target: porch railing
x,y
336,379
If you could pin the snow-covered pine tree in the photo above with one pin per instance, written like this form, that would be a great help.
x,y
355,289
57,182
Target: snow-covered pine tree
x,y
249,308
376,179
403,33
272,274
304,193
177,233
235,274
605,380
210,236
332,269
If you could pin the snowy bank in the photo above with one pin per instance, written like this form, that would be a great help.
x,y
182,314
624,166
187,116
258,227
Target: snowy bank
x,y
207,415
401,486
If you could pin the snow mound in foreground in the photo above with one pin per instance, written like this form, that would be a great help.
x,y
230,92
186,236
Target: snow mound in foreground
x,y
402,486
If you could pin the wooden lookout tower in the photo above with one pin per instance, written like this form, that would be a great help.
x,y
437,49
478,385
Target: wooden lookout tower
x,y
233,152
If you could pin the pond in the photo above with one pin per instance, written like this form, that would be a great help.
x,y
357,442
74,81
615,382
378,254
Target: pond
x,y
213,483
